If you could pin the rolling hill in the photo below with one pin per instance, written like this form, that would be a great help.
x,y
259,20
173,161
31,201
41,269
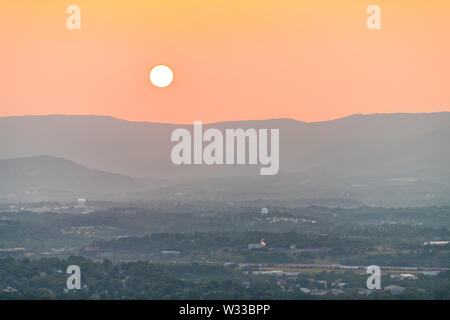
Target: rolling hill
x,y
49,178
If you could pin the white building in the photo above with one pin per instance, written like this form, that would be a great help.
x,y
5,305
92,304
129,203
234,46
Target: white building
x,y
394,289
252,246
403,276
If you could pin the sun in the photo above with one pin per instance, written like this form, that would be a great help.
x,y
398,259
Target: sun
x,y
161,76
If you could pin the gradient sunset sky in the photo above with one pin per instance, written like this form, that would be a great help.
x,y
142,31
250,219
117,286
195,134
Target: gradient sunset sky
x,y
232,60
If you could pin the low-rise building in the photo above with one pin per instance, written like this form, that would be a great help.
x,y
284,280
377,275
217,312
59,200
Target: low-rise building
x,y
403,276
394,289
170,253
305,290
9,290
317,292
430,273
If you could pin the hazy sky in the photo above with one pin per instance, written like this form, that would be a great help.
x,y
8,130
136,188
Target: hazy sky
x,y
232,60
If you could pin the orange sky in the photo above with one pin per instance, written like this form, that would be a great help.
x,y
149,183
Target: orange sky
x,y
233,60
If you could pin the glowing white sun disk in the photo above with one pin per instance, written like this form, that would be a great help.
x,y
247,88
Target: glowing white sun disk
x,y
161,76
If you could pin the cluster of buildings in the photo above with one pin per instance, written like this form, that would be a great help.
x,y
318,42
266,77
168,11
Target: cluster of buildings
x,y
79,206
23,252
436,243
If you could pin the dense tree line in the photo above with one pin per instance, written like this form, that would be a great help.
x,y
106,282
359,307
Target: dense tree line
x,y
46,279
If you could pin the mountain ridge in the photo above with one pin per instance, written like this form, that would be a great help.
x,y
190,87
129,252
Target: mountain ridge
x,y
378,151
45,177
354,115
